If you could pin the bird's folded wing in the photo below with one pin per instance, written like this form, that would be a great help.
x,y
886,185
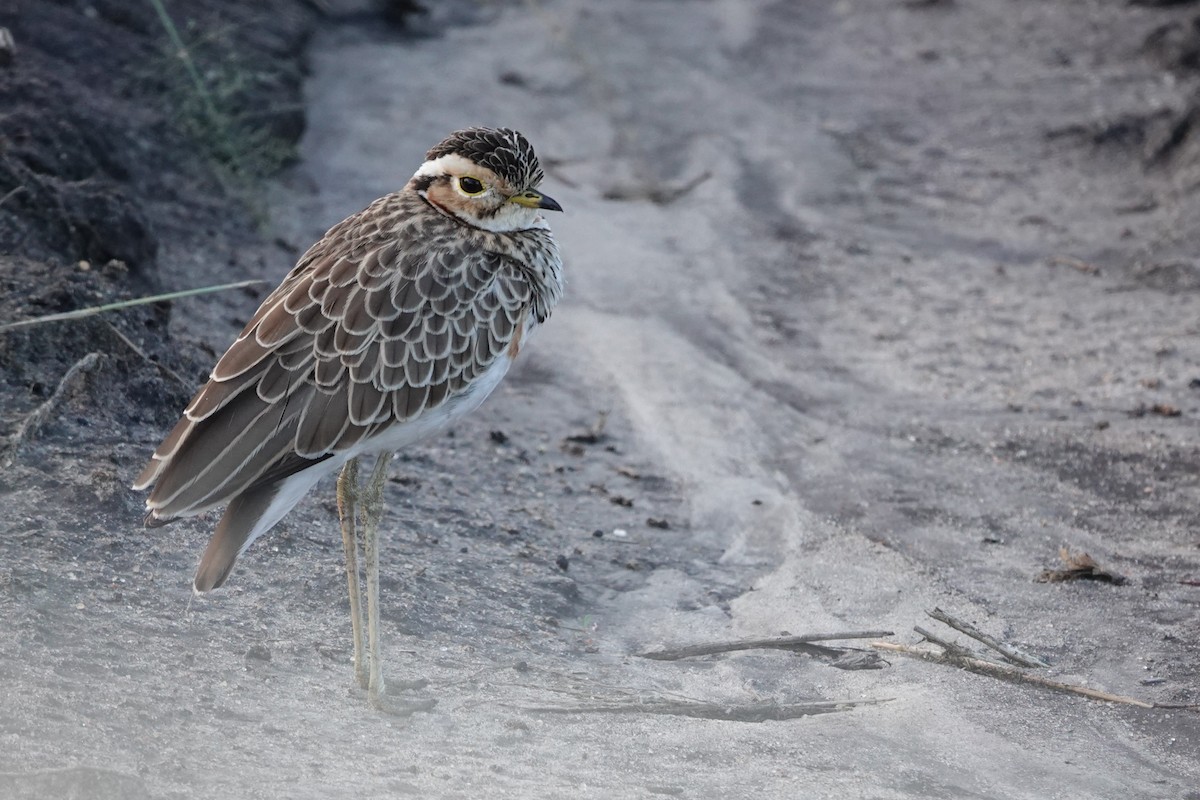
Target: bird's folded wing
x,y
361,335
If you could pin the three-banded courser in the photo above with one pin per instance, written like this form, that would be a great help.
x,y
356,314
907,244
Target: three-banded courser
x,y
401,319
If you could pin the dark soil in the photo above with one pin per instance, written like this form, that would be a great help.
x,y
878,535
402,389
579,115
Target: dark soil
x,y
116,185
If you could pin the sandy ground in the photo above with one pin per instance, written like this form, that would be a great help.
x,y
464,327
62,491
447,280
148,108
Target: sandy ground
x,y
884,305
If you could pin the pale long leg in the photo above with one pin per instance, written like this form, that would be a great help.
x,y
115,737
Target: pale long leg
x,y
347,499
372,511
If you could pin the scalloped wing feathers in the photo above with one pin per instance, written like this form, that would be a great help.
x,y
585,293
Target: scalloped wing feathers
x,y
395,312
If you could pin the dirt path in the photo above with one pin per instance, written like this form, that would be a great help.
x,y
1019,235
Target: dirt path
x,y
881,299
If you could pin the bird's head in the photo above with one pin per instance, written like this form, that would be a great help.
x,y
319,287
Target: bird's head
x,y
485,177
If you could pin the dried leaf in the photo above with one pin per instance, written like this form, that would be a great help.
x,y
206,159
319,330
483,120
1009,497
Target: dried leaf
x,y
1080,566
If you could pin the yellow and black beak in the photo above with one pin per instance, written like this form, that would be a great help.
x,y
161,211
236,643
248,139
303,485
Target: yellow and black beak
x,y
532,199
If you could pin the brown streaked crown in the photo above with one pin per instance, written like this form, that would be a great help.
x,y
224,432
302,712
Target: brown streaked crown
x,y
502,150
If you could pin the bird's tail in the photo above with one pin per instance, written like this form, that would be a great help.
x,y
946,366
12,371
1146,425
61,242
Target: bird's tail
x,y
250,515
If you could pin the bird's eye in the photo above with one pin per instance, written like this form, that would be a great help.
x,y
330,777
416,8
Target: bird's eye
x,y
471,185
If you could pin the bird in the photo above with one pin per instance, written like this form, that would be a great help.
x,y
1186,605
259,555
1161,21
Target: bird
x,y
400,320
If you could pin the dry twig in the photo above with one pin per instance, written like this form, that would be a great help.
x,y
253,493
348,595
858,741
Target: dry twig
x,y
12,192
65,390
950,647
163,368
752,712
1012,673
140,301
1008,651
803,643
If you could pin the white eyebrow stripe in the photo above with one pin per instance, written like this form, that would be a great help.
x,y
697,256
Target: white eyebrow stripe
x,y
449,164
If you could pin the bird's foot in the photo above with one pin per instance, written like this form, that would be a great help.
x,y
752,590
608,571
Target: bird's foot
x,y
387,700
386,696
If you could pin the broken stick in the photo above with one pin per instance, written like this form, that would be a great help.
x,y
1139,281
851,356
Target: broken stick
x,y
754,712
1008,651
950,647
1004,671
779,643
67,386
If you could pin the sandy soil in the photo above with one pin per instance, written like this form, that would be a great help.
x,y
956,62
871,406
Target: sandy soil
x,y
885,302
